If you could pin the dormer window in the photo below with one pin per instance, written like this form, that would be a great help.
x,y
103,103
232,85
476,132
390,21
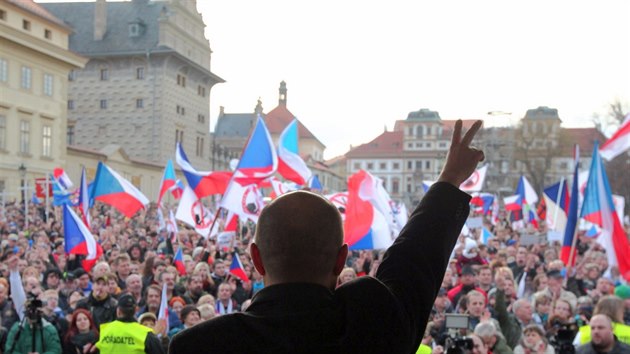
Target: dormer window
x,y
136,29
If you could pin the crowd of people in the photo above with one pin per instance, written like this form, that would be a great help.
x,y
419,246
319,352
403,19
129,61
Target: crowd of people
x,y
518,299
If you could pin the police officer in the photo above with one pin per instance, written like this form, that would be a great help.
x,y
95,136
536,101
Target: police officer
x,y
125,335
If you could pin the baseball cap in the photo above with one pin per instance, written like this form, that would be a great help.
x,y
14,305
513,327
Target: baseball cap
x,y
101,277
126,301
468,270
623,291
13,237
554,274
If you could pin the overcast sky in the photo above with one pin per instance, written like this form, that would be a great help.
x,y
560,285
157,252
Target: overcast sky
x,y
353,67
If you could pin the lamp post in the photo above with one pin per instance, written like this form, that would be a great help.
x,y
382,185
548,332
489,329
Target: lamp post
x,y
24,188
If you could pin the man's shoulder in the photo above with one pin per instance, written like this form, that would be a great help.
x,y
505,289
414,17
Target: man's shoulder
x,y
221,328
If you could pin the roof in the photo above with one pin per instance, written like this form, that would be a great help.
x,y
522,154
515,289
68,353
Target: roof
x,y
542,112
80,16
278,119
584,137
386,144
37,10
235,125
424,114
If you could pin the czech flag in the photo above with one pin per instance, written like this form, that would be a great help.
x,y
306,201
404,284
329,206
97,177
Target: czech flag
x,y
572,216
236,268
618,143
364,227
62,178
78,239
203,183
483,202
557,200
528,200
598,209
110,188
290,164
178,261
169,183
84,200
258,162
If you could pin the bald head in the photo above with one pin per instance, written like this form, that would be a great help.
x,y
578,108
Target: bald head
x,y
602,337
299,236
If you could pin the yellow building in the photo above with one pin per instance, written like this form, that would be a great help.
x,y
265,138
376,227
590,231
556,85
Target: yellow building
x,y
34,66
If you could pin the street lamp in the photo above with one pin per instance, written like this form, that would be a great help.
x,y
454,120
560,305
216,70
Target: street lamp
x,y
22,170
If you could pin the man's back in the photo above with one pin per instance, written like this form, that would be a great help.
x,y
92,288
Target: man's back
x,y
386,314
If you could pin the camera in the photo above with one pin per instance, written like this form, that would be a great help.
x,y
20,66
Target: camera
x,y
455,343
562,341
32,308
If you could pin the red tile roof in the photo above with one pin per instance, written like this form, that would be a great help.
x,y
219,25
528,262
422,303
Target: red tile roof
x,y
36,9
386,144
585,137
278,119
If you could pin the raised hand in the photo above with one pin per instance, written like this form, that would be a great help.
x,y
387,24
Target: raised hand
x,y
462,159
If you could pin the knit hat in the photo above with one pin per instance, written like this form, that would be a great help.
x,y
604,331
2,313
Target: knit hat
x,y
623,291
470,248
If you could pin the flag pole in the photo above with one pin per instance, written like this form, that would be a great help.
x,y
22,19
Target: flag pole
x,y
216,216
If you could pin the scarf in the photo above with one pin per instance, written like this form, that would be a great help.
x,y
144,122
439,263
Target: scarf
x,y
221,310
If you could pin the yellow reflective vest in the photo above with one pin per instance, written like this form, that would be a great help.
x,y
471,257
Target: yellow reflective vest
x,y
621,331
122,337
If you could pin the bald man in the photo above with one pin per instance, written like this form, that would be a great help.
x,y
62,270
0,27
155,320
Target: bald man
x,y
603,341
299,251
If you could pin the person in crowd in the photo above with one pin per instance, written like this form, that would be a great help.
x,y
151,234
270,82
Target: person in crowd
x,y
603,341
346,275
122,264
301,273
81,335
190,316
125,335
479,347
492,338
533,341
484,278
219,275
177,304
555,289
52,279
153,298
612,307
84,282
623,292
467,283
52,313
7,309
542,308
133,286
101,305
194,289
225,304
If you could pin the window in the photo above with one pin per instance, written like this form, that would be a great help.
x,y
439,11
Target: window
x,y
418,164
179,136
72,75
370,166
139,103
104,74
47,34
181,80
103,104
357,166
201,91
47,141
48,85
3,15
70,134
427,164
70,104
140,73
199,147
26,25
4,70
442,145
395,186
134,30
409,165
382,166
396,166
201,118
564,165
26,77
3,132
25,136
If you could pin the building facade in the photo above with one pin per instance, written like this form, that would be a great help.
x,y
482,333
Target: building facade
x,y
147,83
34,64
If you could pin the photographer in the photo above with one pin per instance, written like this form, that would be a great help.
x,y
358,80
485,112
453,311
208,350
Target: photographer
x,y
32,334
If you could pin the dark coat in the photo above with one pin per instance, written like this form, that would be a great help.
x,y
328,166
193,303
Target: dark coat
x,y
102,311
386,314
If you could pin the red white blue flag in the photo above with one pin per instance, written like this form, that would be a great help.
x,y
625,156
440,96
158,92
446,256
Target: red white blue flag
x,y
236,268
566,254
290,164
110,188
598,209
178,261
203,183
618,143
169,183
78,239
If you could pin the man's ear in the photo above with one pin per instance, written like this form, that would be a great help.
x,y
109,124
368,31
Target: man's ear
x,y
258,263
340,262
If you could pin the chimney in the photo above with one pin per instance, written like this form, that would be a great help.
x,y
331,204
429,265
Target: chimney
x,y
100,19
